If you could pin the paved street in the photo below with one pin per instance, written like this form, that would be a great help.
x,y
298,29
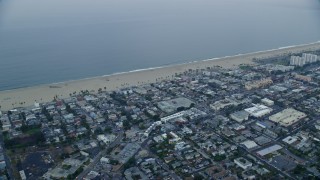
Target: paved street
x,y
101,154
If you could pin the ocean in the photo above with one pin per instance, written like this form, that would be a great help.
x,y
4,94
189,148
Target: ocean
x,y
58,40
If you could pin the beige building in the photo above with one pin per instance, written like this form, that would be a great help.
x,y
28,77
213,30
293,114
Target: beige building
x,y
287,117
258,84
302,77
218,105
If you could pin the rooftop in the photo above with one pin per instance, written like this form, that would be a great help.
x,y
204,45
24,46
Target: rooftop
x,y
258,110
269,150
249,144
172,104
287,117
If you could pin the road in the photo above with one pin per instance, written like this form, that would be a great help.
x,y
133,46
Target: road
x,y
6,158
162,164
97,158
285,174
200,151
293,132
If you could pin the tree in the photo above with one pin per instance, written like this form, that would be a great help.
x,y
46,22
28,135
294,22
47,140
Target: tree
x,y
69,110
76,173
279,103
142,126
156,117
108,129
84,123
299,169
198,177
219,158
126,124
47,114
180,109
256,100
131,162
98,131
149,98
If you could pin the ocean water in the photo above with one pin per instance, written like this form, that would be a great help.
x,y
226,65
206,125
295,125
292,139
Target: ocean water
x,y
47,41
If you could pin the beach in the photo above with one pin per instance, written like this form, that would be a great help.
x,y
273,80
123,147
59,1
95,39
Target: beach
x,y
22,97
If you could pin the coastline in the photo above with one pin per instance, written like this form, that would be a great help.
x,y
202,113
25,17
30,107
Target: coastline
x,y
10,99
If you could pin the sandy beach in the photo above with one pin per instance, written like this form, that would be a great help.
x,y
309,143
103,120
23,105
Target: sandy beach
x,y
11,99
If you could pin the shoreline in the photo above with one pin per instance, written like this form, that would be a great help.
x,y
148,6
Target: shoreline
x,y
26,96
159,67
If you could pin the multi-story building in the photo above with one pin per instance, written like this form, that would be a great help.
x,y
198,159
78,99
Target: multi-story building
x,y
310,58
302,77
305,59
258,84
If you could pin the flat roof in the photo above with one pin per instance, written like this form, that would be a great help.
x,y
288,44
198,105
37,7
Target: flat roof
x,y
267,100
249,144
172,104
287,117
240,114
258,110
261,140
269,150
289,140
127,152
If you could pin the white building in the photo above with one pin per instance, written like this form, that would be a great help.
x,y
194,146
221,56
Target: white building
x,y
158,139
104,160
267,102
297,61
260,124
310,58
269,150
249,144
107,139
84,153
22,175
258,110
163,121
243,163
305,59
290,140
6,124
